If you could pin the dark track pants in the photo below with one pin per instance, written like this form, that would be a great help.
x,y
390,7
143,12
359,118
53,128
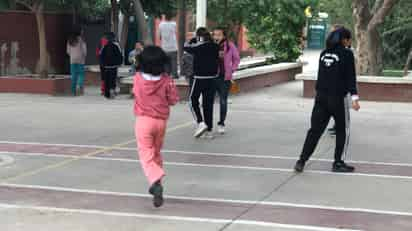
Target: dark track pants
x,y
110,78
222,88
325,108
205,88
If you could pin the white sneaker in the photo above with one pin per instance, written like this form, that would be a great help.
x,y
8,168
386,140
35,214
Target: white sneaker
x,y
208,135
221,129
201,129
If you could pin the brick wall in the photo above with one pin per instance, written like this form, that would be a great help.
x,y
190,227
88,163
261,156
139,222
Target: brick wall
x,y
20,27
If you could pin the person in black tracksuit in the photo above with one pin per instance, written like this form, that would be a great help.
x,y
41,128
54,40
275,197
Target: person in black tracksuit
x,y
336,89
111,58
205,67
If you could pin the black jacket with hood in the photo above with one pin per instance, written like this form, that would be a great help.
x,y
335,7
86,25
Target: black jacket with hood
x,y
337,74
205,58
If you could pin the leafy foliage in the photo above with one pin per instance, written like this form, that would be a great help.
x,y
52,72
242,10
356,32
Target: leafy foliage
x,y
228,14
159,7
276,26
397,35
340,12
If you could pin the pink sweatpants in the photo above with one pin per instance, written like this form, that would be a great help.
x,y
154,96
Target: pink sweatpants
x,y
150,134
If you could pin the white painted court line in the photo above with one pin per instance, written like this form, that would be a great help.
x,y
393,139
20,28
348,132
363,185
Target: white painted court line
x,y
237,155
186,164
170,218
54,144
207,199
251,156
6,160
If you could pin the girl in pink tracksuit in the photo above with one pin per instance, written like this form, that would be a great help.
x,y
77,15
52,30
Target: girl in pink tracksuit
x,y
154,93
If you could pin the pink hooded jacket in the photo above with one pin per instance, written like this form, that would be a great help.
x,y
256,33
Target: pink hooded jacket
x,y
154,95
232,59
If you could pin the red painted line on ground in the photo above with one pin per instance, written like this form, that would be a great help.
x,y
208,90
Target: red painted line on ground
x,y
77,150
205,159
206,209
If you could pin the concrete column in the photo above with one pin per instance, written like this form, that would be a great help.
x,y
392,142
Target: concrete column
x,y
201,13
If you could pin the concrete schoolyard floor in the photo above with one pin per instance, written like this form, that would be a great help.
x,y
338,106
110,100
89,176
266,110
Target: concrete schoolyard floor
x,y
71,164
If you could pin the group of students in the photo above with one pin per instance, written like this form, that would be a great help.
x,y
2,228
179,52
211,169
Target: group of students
x,y
215,59
155,92
109,55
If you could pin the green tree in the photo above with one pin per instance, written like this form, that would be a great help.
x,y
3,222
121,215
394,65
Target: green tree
x,y
340,12
369,17
276,26
142,9
230,14
87,9
397,35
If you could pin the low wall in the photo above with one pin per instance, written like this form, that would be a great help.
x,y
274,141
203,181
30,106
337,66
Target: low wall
x,y
26,84
371,88
93,71
93,76
249,79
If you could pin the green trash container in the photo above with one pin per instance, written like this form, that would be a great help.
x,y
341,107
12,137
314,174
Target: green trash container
x,y
317,33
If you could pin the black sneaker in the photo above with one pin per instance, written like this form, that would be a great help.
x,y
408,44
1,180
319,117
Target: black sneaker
x,y
157,191
300,166
342,167
332,131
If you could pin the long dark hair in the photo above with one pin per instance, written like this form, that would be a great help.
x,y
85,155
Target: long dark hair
x,y
75,35
110,36
202,32
336,37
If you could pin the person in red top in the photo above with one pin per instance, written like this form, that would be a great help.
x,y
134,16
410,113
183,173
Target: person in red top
x,y
154,92
103,42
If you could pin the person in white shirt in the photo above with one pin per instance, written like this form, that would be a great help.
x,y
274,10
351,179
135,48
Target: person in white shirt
x,y
168,38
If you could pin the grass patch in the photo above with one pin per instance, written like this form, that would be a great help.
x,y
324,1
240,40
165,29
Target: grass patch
x,y
393,73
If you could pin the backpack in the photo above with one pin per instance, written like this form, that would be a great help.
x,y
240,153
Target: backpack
x,y
187,65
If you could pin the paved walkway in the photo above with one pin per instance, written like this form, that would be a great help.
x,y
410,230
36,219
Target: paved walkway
x,y
73,166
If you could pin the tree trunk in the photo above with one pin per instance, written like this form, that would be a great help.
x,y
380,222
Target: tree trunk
x,y
115,17
43,65
125,31
375,54
408,63
141,22
362,15
369,50
182,12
